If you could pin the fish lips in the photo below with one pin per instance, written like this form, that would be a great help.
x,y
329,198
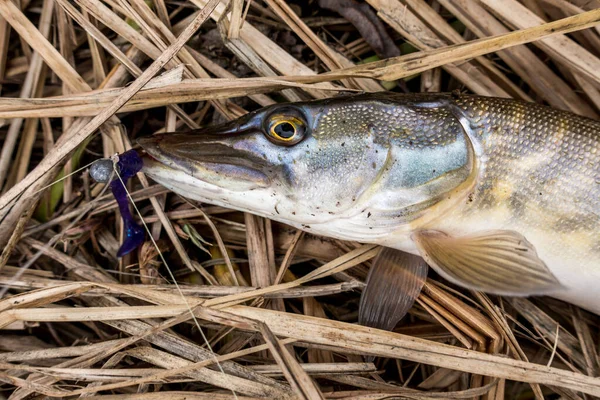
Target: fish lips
x,y
208,157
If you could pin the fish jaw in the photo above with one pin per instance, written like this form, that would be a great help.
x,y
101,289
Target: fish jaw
x,y
220,165
211,158
254,199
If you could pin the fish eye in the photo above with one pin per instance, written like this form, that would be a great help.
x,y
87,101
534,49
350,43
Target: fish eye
x,y
286,129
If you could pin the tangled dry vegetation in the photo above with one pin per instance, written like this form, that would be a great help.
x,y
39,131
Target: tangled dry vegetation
x,y
81,79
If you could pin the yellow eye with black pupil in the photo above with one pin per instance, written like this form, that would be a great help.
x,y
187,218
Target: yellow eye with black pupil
x,y
284,130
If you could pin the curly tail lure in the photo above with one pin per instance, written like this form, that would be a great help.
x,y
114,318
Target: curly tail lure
x,y
116,171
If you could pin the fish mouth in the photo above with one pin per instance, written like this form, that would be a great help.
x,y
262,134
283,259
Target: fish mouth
x,y
210,155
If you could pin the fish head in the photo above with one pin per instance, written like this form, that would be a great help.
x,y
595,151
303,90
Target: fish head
x,y
298,163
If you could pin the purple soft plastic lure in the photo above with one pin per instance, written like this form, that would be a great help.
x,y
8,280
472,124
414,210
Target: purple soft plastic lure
x,y
128,164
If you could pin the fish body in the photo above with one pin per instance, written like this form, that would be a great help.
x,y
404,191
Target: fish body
x,y
496,194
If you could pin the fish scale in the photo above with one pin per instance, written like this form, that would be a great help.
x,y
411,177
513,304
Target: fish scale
x,y
551,161
541,179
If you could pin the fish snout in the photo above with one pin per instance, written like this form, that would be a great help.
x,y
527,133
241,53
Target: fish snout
x,y
211,158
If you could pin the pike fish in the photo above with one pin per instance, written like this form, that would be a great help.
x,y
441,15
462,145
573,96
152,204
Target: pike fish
x,y
495,195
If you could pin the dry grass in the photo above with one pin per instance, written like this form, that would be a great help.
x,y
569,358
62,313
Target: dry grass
x,y
267,311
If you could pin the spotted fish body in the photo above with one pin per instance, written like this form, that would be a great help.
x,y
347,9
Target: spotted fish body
x,y
411,172
540,177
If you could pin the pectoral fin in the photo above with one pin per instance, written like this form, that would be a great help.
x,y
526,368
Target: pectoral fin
x,y
499,262
393,284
